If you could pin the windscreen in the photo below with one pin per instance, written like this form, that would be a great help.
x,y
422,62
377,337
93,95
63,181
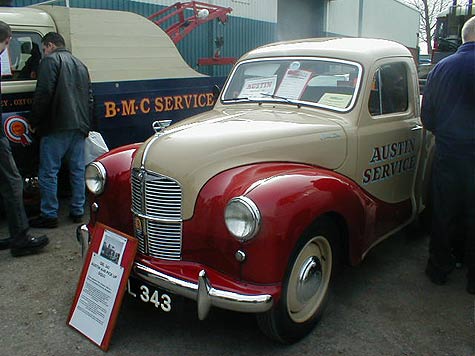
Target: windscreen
x,y
324,83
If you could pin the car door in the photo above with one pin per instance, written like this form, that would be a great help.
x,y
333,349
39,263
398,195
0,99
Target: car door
x,y
389,138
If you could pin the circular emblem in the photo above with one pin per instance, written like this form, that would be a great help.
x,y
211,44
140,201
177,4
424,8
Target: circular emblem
x,y
16,130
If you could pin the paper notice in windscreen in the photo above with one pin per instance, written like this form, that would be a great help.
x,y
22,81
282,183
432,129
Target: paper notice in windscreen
x,y
258,87
340,101
293,83
6,69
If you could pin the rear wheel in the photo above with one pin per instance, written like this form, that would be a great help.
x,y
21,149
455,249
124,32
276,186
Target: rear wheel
x,y
306,285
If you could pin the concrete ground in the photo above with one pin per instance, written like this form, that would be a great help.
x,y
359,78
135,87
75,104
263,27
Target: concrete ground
x,y
384,307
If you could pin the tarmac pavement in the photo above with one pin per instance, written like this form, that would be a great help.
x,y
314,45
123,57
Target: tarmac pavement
x,y
384,307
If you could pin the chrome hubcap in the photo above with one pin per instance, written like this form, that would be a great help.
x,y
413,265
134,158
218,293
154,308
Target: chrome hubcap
x,y
309,279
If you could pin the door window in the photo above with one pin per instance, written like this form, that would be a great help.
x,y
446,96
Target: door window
x,y
389,92
23,56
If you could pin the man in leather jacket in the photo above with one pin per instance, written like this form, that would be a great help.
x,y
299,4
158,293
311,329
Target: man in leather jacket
x,y
61,116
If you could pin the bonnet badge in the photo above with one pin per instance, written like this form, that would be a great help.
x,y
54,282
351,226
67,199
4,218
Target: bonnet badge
x,y
160,125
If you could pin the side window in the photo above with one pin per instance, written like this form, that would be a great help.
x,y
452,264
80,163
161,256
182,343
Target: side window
x,y
389,92
24,54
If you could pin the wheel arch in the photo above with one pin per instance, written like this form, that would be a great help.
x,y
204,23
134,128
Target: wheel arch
x,y
117,192
303,300
287,213
342,225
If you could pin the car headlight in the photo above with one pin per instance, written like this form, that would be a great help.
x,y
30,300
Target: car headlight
x,y
242,218
95,177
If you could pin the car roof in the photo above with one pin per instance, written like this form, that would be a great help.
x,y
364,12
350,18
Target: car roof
x,y
362,50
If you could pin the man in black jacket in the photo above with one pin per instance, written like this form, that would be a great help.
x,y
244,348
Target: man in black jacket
x,y
20,241
61,116
448,111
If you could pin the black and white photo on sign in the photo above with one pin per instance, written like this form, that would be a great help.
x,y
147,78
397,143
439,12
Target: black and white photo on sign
x,y
112,247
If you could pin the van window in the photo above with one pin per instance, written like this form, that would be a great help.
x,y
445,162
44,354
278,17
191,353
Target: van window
x,y
24,55
389,92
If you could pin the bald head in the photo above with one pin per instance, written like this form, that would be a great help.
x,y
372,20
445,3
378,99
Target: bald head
x,y
468,31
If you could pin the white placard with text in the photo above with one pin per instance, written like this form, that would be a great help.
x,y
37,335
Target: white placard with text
x,y
97,298
293,83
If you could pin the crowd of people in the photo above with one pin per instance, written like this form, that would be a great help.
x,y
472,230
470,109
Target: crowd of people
x,y
61,118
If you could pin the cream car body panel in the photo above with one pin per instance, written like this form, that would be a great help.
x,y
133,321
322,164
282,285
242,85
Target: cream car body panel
x,y
226,138
380,153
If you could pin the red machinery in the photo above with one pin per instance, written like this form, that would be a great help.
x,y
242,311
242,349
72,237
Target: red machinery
x,y
201,14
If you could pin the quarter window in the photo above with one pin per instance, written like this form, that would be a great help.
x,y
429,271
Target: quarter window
x,y
389,92
22,58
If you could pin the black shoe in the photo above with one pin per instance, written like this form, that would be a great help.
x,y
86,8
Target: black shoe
x,y
5,243
28,245
436,276
471,286
76,218
44,223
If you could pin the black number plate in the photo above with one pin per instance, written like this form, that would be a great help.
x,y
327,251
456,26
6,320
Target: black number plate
x,y
148,294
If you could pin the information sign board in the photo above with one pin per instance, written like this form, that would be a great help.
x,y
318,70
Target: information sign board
x,y
102,284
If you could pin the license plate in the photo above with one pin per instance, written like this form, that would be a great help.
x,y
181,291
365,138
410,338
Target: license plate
x,y
148,294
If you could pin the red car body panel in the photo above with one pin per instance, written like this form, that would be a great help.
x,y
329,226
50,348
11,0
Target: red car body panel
x,y
289,196
116,200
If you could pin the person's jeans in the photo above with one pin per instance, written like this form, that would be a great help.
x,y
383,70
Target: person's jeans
x,y
53,148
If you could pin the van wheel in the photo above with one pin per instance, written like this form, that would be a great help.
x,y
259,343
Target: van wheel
x,y
306,285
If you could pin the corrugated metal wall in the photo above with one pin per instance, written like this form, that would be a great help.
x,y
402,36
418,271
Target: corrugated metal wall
x,y
241,34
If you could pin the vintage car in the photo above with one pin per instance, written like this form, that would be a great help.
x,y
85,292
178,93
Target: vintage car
x,y
312,155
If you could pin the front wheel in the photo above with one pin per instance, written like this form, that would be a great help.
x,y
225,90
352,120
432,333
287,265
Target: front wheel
x,y
306,285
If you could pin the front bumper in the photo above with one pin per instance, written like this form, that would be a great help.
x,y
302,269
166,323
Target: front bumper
x,y
201,291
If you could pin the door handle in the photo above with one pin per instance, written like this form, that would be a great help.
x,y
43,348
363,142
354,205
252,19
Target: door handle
x,y
416,127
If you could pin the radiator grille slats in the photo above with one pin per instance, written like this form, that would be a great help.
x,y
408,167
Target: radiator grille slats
x,y
157,200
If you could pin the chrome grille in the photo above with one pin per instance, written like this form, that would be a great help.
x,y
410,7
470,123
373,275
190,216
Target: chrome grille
x,y
156,200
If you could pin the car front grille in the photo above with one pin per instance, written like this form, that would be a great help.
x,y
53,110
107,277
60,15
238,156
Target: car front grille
x,y
156,204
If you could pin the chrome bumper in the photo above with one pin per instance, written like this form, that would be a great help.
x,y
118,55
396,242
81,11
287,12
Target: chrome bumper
x,y
84,238
202,292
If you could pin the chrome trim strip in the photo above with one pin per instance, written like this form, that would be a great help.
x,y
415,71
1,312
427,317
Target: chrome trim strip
x,y
168,221
203,292
147,148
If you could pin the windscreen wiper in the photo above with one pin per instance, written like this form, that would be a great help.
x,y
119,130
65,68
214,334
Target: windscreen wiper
x,y
241,98
287,100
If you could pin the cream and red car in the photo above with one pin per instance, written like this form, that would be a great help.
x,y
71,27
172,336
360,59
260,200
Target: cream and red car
x,y
312,155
